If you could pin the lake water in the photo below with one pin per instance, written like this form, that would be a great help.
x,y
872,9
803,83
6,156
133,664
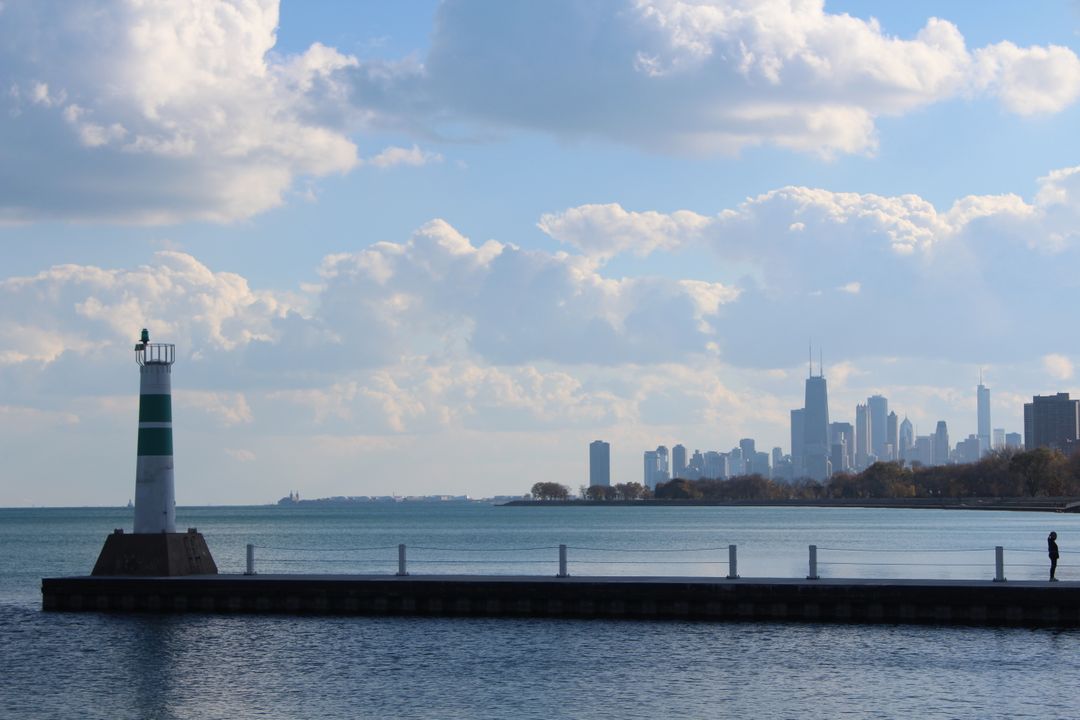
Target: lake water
x,y
195,666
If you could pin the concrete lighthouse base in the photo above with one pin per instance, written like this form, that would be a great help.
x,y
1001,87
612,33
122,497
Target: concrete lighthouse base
x,y
155,554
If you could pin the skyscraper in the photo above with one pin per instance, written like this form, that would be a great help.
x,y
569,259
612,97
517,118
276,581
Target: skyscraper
x,y
862,437
999,438
798,423
736,462
816,446
892,437
662,464
748,449
983,398
907,439
843,433
599,463
651,469
879,413
941,444
1051,421
678,461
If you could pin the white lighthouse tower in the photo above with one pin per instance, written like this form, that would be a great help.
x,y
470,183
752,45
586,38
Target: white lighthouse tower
x,y
155,495
155,548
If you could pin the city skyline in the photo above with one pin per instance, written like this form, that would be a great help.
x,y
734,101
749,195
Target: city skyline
x,y
439,247
1049,421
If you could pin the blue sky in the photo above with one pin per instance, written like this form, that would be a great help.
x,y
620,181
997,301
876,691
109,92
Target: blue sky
x,y
439,247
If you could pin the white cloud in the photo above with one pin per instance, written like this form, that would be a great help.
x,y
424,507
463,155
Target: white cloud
x,y
1057,366
414,157
1029,80
161,112
978,268
606,230
694,76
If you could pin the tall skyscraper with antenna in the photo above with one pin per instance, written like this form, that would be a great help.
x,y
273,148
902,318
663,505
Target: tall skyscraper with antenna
x,y
983,398
816,446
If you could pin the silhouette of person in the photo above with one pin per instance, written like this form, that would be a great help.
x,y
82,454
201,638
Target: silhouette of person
x,y
1051,543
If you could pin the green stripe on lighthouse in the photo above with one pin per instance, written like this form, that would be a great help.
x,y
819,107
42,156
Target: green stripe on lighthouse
x,y
155,408
155,441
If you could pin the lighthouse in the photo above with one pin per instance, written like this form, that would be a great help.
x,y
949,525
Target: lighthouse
x,y
155,548
155,495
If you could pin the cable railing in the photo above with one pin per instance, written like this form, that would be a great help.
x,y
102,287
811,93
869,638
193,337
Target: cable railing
x,y
710,561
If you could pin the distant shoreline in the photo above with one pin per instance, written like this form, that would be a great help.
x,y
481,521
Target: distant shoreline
x,y
1056,504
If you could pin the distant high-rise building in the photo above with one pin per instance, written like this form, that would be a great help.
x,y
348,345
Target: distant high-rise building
x,y
862,437
1013,441
662,461
748,449
600,463
906,438
843,433
841,462
716,465
695,469
678,461
879,414
1051,421
798,424
816,446
983,401
923,452
653,469
968,451
759,465
892,437
736,462
777,456
941,444
999,438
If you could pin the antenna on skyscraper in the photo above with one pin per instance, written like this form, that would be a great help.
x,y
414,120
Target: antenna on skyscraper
x,y
810,356
821,361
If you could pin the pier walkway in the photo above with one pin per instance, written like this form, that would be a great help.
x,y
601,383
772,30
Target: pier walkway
x,y
962,602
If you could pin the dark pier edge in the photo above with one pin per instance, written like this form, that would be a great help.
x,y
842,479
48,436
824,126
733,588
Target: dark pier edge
x,y
947,602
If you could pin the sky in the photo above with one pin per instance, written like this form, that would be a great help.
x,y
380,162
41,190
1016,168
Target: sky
x,y
439,247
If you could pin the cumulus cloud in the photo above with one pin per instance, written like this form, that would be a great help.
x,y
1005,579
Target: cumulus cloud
x,y
606,230
160,112
953,281
696,76
506,304
1057,366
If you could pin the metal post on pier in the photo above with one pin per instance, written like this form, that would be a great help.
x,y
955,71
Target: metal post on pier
x,y
250,560
999,564
401,567
813,564
733,563
562,562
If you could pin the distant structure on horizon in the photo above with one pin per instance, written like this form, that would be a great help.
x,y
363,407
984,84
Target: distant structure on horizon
x,y
983,434
656,467
941,443
820,448
879,420
599,464
1051,421
816,445
678,461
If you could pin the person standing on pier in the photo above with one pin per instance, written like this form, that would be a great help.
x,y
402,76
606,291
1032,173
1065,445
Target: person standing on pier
x,y
1051,542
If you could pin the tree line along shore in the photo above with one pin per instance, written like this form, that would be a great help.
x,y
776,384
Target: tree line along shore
x,y
1040,479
